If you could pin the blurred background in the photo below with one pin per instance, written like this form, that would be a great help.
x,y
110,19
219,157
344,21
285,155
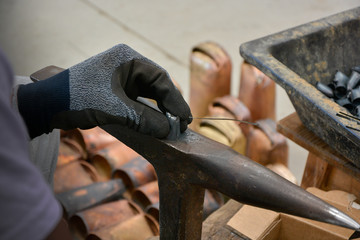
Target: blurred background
x,y
38,33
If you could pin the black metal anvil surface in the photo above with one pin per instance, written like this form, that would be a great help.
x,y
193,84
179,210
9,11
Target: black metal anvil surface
x,y
188,165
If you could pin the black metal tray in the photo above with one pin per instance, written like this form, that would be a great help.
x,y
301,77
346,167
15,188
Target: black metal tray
x,y
299,57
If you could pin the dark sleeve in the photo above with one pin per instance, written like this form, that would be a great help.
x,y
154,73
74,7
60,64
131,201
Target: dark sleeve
x,y
27,206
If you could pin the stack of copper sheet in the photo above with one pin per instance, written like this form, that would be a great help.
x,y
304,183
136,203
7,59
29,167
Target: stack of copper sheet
x,y
107,190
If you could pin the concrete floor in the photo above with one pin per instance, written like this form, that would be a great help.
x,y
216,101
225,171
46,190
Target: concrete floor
x,y
38,33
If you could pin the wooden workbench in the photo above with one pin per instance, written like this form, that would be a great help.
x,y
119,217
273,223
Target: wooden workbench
x,y
325,168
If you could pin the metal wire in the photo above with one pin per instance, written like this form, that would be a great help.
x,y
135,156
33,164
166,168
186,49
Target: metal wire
x,y
226,119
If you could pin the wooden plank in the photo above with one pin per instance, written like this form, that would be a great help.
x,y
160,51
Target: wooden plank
x,y
314,172
292,127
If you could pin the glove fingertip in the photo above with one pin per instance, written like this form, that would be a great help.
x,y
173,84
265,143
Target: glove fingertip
x,y
154,124
183,126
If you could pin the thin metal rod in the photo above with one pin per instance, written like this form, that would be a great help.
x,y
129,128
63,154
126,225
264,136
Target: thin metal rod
x,y
226,119
348,115
353,128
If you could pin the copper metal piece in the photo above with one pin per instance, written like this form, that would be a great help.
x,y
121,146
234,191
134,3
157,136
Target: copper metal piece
x,y
147,194
74,174
226,132
101,216
235,109
266,145
96,139
257,91
75,137
136,172
112,157
153,210
210,77
68,152
139,227
186,166
81,198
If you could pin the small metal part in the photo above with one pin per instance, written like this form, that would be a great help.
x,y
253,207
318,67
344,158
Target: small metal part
x,y
345,102
326,90
356,68
341,81
357,111
332,86
88,196
353,80
343,116
355,96
174,122
350,118
349,115
227,119
340,77
352,128
341,90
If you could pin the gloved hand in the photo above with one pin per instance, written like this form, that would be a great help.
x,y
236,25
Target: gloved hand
x,y
103,90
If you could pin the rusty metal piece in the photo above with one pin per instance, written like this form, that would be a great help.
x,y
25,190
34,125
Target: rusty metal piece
x,y
139,227
68,151
112,157
74,174
325,89
257,92
353,80
147,194
96,139
235,109
104,215
210,77
187,166
153,210
81,198
135,173
76,138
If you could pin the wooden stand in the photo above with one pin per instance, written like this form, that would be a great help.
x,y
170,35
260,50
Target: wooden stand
x,y
325,168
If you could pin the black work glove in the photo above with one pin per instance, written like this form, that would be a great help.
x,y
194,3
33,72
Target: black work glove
x,y
103,90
